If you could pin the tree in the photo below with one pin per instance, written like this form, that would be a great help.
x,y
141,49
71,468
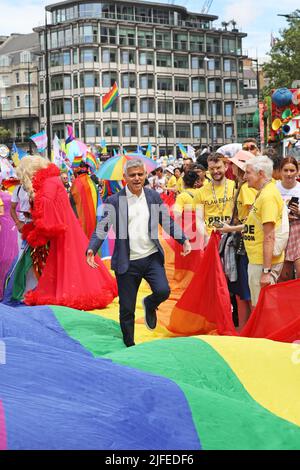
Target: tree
x,y
284,66
5,134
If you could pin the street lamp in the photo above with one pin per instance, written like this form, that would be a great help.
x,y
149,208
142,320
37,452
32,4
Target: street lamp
x,y
29,107
47,89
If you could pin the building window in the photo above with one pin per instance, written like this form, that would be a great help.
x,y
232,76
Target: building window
x,y
108,35
163,40
109,56
146,82
4,61
127,37
228,131
213,44
163,60
129,105
17,77
108,79
147,105
197,62
128,80
27,101
200,131
164,83
182,84
180,42
165,130
5,103
229,108
111,128
129,129
147,129
146,58
230,86
198,107
182,107
89,80
181,61
198,85
213,64
90,104
215,108
145,38
196,43
18,102
88,34
183,131
127,57
230,65
165,107
229,46
214,85
89,55
90,130
25,57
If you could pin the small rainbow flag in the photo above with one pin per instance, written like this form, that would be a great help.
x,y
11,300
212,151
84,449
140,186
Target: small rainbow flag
x,y
110,97
91,161
182,150
76,162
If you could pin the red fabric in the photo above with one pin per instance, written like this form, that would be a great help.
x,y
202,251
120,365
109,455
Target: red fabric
x,y
205,306
277,313
168,199
192,262
66,279
81,191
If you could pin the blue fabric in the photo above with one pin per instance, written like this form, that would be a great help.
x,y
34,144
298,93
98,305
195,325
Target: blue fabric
x,y
56,396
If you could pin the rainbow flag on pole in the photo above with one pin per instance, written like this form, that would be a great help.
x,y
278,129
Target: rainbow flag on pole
x,y
182,150
91,161
110,97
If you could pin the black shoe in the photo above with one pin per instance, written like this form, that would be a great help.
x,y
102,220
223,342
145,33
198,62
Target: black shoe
x,y
150,316
128,345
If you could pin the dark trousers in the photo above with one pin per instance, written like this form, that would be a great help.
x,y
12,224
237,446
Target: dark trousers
x,y
152,270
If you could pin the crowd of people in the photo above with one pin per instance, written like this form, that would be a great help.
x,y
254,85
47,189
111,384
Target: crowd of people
x,y
250,197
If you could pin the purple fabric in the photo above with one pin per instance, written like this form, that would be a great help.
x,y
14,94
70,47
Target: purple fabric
x,y
8,239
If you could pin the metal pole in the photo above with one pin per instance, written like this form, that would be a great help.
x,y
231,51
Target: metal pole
x,y
166,129
29,109
257,92
47,89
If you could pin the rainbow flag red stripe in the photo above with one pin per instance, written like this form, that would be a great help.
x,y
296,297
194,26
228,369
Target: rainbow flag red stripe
x,y
110,97
91,161
76,162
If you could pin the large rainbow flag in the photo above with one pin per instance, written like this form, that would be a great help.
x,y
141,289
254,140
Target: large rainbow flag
x,y
68,382
109,98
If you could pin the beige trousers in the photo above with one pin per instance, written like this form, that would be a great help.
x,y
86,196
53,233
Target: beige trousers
x,y
254,275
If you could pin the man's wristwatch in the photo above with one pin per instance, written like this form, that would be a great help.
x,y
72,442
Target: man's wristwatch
x,y
266,270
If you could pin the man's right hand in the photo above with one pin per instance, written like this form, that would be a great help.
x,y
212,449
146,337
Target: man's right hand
x,y
90,259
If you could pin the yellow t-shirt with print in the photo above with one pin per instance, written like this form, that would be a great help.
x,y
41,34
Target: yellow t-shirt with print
x,y
172,182
219,208
185,200
267,208
245,199
180,184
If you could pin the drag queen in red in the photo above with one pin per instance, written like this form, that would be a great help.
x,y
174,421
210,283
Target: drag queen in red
x,y
65,279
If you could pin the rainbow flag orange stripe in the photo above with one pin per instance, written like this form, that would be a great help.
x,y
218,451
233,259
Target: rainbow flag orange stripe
x,y
91,160
110,97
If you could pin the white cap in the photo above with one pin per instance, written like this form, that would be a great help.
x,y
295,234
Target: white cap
x,y
170,169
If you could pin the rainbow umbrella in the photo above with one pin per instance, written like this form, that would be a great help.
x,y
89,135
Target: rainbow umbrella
x,y
112,169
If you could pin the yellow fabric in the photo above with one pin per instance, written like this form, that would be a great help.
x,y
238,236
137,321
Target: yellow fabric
x,y
172,183
184,200
180,184
214,212
267,208
1,202
245,200
277,364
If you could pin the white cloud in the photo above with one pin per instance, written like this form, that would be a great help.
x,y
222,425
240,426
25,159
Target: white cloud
x,y
20,17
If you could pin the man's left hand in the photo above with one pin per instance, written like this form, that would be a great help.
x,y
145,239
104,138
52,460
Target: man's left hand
x,y
265,280
186,248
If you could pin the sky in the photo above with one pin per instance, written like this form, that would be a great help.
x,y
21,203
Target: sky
x,y
257,18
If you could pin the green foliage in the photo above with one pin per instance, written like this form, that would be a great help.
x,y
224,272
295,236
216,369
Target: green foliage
x,y
284,66
5,134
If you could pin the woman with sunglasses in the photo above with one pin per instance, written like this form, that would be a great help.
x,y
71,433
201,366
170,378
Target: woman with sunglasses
x,y
250,145
289,189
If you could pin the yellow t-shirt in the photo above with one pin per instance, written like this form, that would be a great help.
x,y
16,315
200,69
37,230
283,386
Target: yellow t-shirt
x,y
172,182
219,209
245,199
267,208
180,184
185,200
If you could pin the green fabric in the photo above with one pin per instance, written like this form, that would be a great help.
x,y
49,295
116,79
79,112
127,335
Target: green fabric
x,y
97,334
21,270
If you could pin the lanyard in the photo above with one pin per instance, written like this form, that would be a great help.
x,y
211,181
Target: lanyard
x,y
221,210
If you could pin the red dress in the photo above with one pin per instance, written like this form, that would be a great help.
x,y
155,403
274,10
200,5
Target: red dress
x,y
66,278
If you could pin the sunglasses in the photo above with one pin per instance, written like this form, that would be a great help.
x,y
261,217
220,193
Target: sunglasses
x,y
250,147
